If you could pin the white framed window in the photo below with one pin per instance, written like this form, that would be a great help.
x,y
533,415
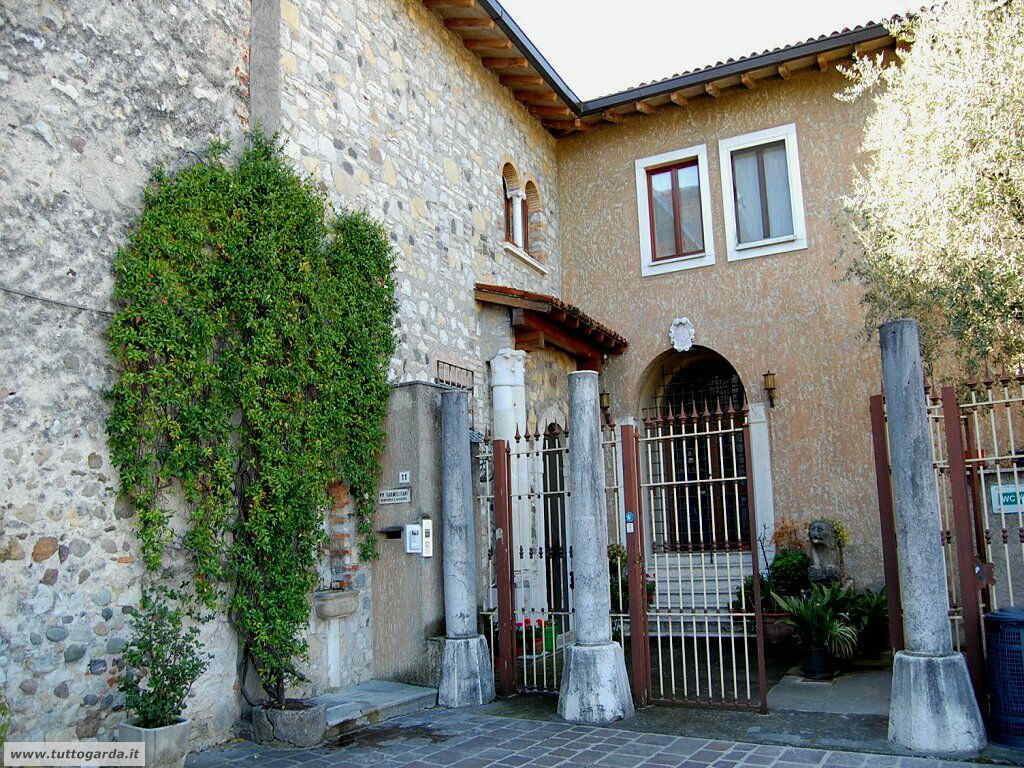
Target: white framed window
x,y
673,203
761,193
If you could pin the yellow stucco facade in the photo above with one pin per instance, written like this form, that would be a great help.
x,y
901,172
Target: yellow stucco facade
x,y
791,313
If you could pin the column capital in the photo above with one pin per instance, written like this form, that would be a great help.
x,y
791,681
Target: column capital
x,y
508,368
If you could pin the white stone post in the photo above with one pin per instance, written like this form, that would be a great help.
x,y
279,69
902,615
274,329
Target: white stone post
x,y
508,403
760,467
933,708
595,688
466,674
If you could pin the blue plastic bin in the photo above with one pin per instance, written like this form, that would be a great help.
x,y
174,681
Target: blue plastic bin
x,y
1004,638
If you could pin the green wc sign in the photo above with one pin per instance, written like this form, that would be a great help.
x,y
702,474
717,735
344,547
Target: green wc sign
x,y
1007,499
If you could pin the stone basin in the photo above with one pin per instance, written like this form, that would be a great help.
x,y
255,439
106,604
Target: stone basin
x,y
335,603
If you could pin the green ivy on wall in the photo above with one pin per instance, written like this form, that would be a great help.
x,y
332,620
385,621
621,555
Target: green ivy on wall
x,y
253,334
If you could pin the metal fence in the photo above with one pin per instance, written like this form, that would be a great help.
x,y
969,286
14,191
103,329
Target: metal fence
x,y
977,436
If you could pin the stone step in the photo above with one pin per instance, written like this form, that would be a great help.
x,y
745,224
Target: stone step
x,y
372,702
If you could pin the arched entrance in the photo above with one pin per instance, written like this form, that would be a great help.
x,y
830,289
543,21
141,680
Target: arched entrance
x,y
694,451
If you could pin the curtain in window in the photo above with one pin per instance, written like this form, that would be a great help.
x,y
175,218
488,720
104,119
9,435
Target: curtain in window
x,y
776,176
689,209
760,178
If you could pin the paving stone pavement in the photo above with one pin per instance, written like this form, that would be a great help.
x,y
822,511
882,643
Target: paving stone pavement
x,y
464,739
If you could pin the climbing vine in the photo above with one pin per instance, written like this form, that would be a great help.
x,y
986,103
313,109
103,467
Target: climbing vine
x,y
253,334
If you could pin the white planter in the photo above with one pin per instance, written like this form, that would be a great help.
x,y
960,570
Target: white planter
x,y
335,604
166,747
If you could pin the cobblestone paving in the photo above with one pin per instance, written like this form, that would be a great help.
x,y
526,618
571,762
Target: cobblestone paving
x,y
455,739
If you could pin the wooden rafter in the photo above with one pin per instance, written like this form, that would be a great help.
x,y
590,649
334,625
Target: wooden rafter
x,y
504,62
488,44
536,97
611,117
643,106
677,98
553,111
712,90
748,81
471,22
522,80
784,72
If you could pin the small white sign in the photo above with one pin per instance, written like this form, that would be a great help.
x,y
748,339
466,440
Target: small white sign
x,y
394,496
404,477
1007,499
427,526
413,539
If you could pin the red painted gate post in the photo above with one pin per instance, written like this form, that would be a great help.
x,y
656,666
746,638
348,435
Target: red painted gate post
x,y
965,551
504,658
887,522
639,655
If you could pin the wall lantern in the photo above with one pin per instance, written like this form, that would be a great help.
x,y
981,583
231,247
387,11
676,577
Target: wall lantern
x,y
769,387
606,401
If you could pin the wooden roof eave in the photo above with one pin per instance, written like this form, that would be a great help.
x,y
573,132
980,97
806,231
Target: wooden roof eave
x,y
539,321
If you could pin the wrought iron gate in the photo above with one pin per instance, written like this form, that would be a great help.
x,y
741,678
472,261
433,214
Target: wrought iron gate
x,y
529,616
977,435
704,622
685,603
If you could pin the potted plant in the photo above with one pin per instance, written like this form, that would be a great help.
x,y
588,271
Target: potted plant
x,y
161,662
869,614
823,628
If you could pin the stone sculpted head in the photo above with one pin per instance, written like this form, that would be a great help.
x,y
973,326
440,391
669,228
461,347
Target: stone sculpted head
x,y
822,534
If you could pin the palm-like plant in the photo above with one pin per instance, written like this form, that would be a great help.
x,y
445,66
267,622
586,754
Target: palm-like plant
x,y
819,619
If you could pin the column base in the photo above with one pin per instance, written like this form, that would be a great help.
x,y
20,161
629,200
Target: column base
x,y
467,678
595,689
932,707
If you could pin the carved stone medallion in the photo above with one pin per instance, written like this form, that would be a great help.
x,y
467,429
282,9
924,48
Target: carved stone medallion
x,y
681,334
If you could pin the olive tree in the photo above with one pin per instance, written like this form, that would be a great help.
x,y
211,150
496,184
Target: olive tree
x,y
937,211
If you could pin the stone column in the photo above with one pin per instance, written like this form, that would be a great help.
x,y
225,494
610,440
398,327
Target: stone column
x,y
933,708
466,674
508,403
595,688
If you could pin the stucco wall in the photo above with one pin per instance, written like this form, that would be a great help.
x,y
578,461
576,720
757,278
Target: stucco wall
x,y
788,312
95,94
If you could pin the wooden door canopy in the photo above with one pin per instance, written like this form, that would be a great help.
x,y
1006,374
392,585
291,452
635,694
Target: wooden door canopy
x,y
539,320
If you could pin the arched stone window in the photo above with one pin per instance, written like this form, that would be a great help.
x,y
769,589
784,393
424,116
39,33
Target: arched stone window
x,y
514,201
524,221
534,241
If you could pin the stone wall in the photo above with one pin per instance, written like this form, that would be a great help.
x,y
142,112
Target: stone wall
x,y
95,94
382,105
394,115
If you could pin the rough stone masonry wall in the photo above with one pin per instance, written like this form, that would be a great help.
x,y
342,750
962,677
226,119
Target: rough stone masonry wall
x,y
396,116
95,93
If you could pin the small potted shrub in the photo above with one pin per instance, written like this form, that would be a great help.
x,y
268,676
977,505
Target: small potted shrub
x,y
162,661
821,625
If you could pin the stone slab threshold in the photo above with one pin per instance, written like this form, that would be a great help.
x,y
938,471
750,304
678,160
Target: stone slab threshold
x,y
373,702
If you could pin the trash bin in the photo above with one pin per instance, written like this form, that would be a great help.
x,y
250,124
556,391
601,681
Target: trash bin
x,y
1004,639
